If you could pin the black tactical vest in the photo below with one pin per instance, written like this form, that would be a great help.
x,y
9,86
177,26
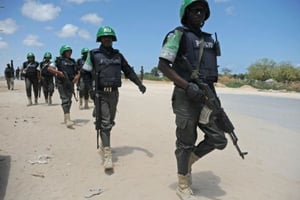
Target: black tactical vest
x,y
30,69
44,69
67,66
107,69
191,46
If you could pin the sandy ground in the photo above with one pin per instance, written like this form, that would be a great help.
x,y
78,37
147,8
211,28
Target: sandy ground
x,y
143,152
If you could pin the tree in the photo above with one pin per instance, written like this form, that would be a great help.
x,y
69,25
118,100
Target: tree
x,y
261,70
155,71
226,71
285,72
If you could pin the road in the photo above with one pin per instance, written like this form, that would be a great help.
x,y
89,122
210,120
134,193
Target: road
x,y
281,111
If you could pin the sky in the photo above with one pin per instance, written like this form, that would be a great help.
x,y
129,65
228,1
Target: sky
x,y
247,30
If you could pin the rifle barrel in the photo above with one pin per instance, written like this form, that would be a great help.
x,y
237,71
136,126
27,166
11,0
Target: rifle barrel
x,y
234,141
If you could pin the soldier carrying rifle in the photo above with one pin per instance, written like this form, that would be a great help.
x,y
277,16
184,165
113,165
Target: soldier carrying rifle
x,y
106,65
67,75
47,78
189,57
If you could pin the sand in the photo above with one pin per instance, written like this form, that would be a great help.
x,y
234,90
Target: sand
x,y
41,159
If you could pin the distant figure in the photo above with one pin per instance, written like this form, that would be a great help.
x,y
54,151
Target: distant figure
x,y
18,73
9,76
142,74
31,73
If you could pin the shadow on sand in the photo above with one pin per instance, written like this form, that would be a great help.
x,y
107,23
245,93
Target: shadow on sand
x,y
205,184
126,150
123,151
4,174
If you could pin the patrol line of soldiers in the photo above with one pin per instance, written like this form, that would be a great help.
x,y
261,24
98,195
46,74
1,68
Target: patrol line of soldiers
x,y
38,76
183,48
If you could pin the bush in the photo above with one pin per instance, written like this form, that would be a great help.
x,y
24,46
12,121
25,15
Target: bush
x,y
236,83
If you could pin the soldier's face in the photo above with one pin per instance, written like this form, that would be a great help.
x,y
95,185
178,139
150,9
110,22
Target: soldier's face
x,y
30,59
196,13
106,41
68,53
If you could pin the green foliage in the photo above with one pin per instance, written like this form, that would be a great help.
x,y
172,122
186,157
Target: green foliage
x,y
226,71
155,71
285,72
261,70
265,69
150,76
235,84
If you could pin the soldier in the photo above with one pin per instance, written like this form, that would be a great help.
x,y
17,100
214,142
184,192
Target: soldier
x,y
184,47
67,75
31,73
9,76
106,64
18,73
142,74
85,82
47,78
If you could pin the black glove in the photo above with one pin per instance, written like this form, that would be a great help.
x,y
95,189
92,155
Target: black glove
x,y
142,88
194,93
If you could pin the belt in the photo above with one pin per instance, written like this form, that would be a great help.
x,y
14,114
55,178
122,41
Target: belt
x,y
108,89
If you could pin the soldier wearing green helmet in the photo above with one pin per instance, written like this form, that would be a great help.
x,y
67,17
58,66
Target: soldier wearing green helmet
x,y
67,74
30,71
106,65
47,80
84,84
187,54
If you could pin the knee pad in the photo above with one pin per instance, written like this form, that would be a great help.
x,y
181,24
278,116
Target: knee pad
x,y
221,144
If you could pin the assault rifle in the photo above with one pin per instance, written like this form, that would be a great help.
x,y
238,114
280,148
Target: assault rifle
x,y
97,114
66,80
68,83
39,87
212,110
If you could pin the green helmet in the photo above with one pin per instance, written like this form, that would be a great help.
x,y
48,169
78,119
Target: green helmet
x,y
64,48
106,31
47,55
186,3
30,54
84,50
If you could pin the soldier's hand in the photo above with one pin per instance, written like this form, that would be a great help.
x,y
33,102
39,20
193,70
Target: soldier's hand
x,y
60,74
76,78
194,93
142,88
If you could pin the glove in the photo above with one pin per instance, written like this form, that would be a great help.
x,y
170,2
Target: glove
x,y
142,88
194,93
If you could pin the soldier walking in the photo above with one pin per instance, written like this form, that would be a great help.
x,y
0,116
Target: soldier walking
x,y
47,78
189,47
9,77
106,65
85,82
31,73
67,75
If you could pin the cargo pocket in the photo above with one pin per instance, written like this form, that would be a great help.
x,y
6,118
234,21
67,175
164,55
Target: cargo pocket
x,y
181,122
